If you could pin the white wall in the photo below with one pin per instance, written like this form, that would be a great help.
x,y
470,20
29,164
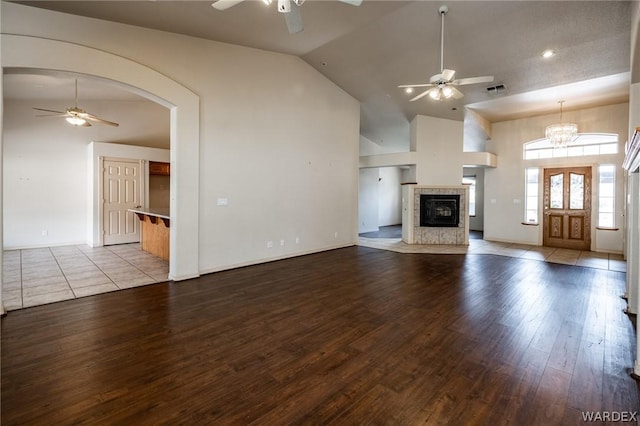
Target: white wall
x,y
476,223
379,198
379,193
45,171
368,147
390,196
283,151
504,185
368,200
438,145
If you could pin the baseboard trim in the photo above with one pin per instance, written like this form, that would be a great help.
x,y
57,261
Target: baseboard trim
x,y
273,259
36,246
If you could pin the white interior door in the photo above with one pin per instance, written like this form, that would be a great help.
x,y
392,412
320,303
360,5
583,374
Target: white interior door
x,y
121,191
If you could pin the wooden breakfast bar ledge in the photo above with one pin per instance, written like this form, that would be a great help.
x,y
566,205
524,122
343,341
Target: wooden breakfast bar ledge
x,y
154,231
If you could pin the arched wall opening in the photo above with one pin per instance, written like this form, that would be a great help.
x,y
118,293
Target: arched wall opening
x,y
33,53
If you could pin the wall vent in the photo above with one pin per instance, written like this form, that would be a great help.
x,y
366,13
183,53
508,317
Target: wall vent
x,y
497,90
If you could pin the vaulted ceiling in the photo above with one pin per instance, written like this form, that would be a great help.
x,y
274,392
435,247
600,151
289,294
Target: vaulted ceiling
x,y
369,50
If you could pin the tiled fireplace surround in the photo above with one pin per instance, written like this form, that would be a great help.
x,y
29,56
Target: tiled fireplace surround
x,y
434,235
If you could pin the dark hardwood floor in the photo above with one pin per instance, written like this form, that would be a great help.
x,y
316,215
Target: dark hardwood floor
x,y
351,336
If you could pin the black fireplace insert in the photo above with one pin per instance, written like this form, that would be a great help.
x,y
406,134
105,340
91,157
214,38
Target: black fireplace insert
x,y
439,210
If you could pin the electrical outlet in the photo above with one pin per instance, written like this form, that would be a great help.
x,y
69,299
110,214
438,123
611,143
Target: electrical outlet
x,y
45,232
281,243
335,235
269,244
297,240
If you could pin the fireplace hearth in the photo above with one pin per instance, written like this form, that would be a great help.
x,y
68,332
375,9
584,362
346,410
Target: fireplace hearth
x,y
439,210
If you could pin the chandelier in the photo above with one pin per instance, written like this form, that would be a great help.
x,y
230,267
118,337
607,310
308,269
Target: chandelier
x,y
562,133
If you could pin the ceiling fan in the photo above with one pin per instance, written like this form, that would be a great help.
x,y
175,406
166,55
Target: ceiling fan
x,y
442,85
290,9
77,116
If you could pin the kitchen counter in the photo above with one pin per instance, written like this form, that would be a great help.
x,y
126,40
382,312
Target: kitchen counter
x,y
162,213
154,231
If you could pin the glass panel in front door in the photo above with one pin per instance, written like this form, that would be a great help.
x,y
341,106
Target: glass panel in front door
x,y
576,192
556,190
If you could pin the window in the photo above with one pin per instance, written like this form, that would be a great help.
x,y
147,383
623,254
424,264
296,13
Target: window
x,y
583,144
471,181
606,195
531,194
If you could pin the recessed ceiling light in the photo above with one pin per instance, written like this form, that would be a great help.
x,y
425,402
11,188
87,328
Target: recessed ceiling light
x,y
409,90
548,53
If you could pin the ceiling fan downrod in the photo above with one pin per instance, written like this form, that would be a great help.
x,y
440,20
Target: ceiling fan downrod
x,y
442,11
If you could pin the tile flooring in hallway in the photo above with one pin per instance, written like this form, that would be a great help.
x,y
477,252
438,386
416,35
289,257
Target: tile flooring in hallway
x,y
44,275
589,259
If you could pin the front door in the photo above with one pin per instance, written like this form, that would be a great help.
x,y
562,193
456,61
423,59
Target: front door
x,y
567,208
121,191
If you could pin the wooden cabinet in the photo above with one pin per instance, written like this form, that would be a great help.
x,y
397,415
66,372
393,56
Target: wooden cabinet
x,y
157,168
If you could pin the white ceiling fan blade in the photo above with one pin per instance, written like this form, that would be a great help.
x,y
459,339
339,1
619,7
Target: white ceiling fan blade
x,y
92,117
52,115
473,80
421,95
225,4
50,110
456,93
404,86
447,75
352,2
294,19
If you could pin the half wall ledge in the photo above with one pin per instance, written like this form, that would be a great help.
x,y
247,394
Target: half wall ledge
x,y
479,159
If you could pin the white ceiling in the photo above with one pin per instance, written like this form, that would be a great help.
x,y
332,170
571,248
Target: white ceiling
x,y
369,50
60,86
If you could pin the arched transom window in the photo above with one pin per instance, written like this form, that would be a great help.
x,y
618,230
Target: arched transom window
x,y
583,144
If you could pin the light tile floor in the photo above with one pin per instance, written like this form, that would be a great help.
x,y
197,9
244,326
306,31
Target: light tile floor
x,y
44,275
613,262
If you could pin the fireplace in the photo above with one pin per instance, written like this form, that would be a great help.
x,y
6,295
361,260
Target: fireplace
x,y
435,214
439,210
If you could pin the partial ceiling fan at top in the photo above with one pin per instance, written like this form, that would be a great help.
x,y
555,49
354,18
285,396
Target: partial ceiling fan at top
x,y
441,86
290,9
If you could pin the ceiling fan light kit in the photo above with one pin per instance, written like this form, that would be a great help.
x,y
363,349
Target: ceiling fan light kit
x,y
561,134
76,121
440,86
441,93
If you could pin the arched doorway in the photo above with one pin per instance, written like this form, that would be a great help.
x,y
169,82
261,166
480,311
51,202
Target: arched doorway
x,y
42,54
